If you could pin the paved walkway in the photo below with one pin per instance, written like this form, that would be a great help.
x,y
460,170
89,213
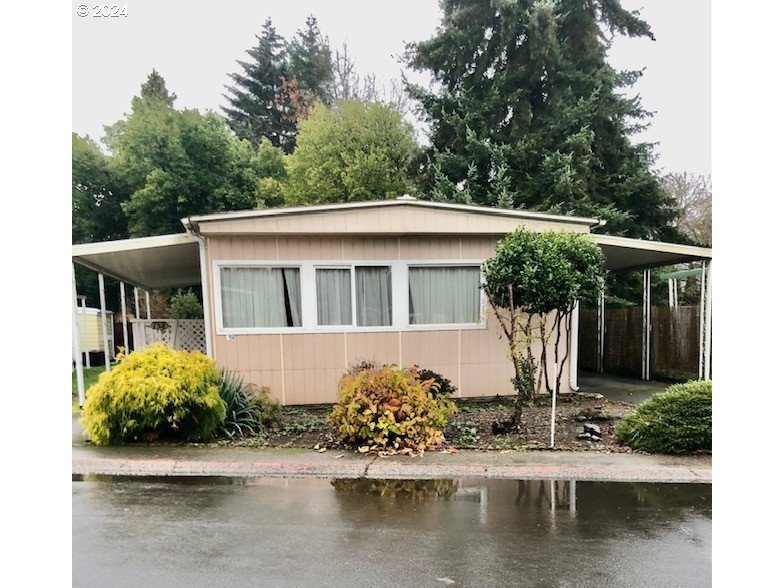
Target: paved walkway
x,y
519,465
618,388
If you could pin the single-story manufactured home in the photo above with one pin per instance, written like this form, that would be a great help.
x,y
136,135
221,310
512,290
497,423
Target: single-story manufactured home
x,y
295,296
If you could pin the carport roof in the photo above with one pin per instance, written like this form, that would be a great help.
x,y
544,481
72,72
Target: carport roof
x,y
622,253
152,263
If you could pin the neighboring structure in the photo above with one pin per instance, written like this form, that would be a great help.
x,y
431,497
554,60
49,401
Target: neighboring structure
x,y
90,332
294,296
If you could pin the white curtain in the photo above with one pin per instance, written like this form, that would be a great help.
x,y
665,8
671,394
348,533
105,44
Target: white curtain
x,y
443,295
333,296
261,297
374,296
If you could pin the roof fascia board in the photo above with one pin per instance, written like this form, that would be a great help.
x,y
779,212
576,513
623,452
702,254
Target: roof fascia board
x,y
130,244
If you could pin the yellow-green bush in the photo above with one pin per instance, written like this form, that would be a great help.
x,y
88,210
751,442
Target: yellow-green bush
x,y
391,409
155,391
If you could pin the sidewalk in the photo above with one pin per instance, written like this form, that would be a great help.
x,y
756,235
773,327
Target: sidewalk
x,y
299,463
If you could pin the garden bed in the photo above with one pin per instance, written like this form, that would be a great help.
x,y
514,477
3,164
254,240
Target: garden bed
x,y
471,428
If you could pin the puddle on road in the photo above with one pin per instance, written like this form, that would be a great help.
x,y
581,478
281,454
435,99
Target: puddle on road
x,y
358,531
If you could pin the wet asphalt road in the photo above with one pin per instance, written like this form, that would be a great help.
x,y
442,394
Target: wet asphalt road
x,y
312,532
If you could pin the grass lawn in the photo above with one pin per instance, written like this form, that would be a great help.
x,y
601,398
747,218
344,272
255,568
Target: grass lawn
x,y
90,377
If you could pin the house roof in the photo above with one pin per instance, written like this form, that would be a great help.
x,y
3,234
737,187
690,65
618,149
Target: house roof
x,y
193,222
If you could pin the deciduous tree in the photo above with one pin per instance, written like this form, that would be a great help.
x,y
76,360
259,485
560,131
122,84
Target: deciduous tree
x,y
531,277
355,151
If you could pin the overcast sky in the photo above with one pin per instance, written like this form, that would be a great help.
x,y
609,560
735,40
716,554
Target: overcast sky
x,y
195,44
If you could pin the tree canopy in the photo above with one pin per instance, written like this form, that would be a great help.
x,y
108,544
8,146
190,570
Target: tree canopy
x,y
354,151
527,112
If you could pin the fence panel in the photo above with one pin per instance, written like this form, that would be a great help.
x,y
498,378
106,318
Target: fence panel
x,y
674,341
180,334
588,339
623,341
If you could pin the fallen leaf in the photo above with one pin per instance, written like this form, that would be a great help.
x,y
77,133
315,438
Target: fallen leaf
x,y
446,580
338,456
364,449
316,446
322,450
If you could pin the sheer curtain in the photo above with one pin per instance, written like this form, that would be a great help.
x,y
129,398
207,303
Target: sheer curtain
x,y
333,296
443,295
374,296
260,297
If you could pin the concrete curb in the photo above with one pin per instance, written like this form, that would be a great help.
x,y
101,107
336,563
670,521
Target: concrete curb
x,y
550,467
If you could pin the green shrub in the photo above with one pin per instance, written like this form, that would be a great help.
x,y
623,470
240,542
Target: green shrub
x,y
185,305
249,409
156,391
391,409
676,421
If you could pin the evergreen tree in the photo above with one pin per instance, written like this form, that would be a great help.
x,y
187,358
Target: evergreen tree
x,y
310,61
531,77
155,89
254,110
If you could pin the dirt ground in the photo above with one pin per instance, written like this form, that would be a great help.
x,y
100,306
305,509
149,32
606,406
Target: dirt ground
x,y
472,427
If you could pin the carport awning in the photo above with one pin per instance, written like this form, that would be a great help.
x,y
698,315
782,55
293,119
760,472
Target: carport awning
x,y
622,253
166,261
169,261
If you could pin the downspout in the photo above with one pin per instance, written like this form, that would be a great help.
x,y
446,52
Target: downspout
x,y
574,346
205,294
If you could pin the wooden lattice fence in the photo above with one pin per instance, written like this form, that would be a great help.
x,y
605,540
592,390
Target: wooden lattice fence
x,y
180,334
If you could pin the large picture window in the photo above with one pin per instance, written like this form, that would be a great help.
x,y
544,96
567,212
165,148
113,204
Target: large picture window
x,y
265,297
443,295
280,296
374,296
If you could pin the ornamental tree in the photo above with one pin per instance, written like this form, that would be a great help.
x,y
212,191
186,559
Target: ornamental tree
x,y
532,276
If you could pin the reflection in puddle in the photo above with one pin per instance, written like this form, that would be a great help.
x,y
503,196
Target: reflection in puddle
x,y
439,489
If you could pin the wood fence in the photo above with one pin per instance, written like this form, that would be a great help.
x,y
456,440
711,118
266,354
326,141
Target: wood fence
x,y
675,342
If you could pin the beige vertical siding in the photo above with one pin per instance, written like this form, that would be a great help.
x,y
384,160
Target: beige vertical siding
x,y
305,368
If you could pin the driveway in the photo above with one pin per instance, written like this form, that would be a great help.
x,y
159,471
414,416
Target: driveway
x,y
618,388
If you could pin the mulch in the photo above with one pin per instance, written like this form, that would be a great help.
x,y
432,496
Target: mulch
x,y
472,427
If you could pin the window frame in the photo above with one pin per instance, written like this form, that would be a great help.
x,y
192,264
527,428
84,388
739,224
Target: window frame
x,y
482,323
399,269
251,264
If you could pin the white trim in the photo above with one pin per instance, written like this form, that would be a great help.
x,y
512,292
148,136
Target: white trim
x,y
400,304
76,349
205,295
106,358
124,245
